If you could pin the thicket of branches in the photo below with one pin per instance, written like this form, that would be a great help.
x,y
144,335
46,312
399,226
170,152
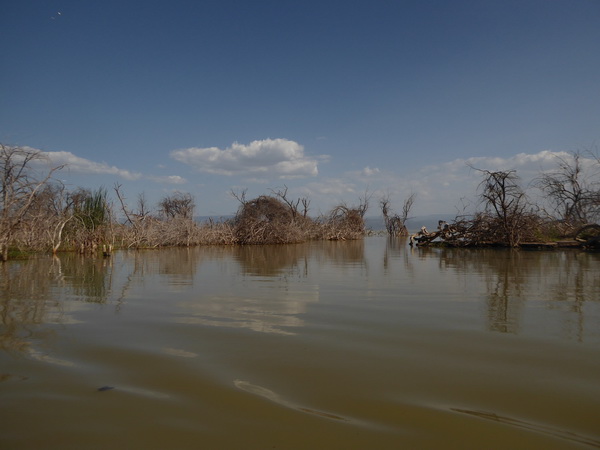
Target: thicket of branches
x,y
276,219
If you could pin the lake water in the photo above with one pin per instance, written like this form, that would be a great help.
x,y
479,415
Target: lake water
x,y
330,345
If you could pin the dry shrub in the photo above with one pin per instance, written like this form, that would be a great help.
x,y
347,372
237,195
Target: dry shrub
x,y
267,220
395,224
270,220
216,233
344,223
492,230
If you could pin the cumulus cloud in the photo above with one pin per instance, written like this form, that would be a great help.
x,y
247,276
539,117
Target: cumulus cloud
x,y
76,164
82,165
521,162
269,157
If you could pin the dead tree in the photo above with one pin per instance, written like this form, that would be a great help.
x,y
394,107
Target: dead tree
x,y
18,189
572,193
178,205
505,220
239,196
292,204
506,202
395,224
49,214
138,226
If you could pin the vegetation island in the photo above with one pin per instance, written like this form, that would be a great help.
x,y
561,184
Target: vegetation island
x,y
39,214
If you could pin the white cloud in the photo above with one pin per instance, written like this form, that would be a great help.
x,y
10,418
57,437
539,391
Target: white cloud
x,y
524,163
269,157
327,193
76,164
367,171
331,187
81,165
440,188
449,187
168,179
445,187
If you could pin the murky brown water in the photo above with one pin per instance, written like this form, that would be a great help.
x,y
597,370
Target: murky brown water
x,y
348,345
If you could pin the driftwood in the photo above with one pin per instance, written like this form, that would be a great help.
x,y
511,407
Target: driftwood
x,y
589,235
481,232
445,232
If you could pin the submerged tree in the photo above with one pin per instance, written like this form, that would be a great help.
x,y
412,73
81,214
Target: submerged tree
x,y
395,224
347,222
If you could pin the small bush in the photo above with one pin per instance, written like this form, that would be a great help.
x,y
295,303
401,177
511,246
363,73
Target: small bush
x,y
267,220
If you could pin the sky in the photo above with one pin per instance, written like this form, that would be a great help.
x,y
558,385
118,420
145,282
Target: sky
x,y
333,100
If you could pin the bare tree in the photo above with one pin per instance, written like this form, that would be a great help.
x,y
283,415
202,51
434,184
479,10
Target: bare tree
x,y
134,230
305,206
395,224
573,194
282,195
18,189
239,196
506,202
363,203
178,205
49,213
142,207
294,205
129,216
407,206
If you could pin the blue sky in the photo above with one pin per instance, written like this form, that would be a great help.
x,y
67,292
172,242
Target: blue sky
x,y
329,98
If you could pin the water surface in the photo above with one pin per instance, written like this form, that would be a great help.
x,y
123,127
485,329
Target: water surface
x,y
338,345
